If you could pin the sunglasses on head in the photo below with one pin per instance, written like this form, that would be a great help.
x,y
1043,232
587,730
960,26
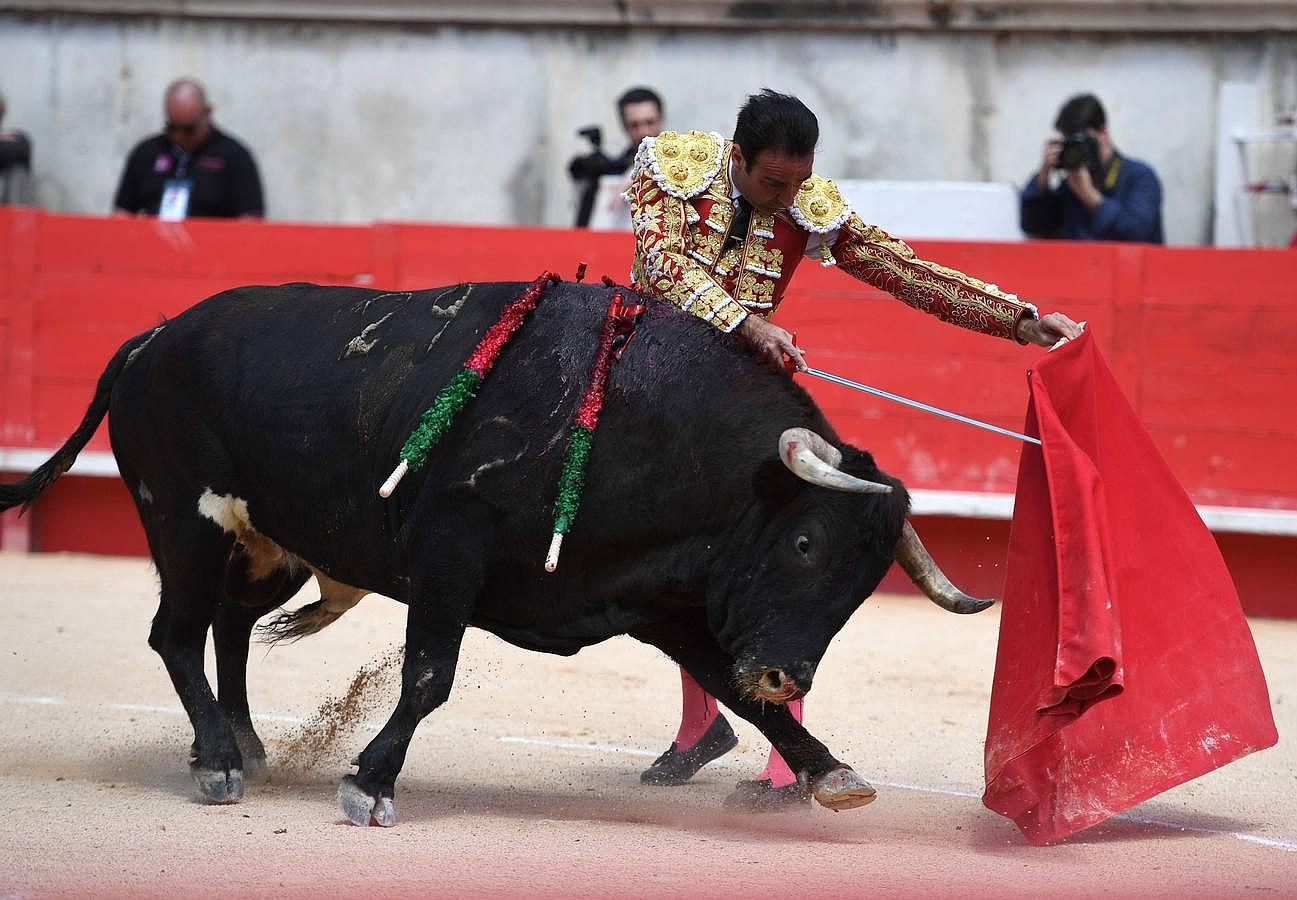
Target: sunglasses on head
x,y
178,128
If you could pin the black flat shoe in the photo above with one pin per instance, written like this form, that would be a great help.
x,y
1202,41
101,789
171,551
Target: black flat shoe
x,y
676,767
760,796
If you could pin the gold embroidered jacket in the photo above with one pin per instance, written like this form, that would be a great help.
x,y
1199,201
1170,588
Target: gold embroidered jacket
x,y
680,198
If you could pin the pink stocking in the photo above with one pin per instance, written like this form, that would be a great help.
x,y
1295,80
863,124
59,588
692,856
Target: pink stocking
x,y
776,769
697,713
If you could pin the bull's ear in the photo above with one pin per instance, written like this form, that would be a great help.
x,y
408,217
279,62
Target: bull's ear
x,y
774,485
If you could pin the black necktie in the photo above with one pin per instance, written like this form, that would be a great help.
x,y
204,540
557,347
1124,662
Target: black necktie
x,y
738,230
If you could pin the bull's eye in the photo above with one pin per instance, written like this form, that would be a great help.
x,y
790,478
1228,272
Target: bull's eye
x,y
803,544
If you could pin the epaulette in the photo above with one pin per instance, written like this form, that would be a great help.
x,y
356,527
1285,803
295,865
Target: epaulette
x,y
820,206
683,165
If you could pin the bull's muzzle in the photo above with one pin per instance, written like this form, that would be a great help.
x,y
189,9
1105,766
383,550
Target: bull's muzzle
x,y
773,684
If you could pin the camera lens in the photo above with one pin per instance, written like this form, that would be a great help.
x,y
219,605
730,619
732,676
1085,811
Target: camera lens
x,y
1078,150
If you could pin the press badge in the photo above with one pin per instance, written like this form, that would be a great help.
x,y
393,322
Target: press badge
x,y
175,200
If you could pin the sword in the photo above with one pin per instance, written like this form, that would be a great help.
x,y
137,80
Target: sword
x,y
906,401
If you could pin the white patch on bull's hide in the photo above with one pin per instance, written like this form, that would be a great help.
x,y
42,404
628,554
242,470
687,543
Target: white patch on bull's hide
x,y
130,357
145,495
390,295
264,556
228,511
359,345
486,467
447,312
502,423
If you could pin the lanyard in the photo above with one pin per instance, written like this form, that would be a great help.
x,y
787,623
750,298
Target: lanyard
x,y
182,157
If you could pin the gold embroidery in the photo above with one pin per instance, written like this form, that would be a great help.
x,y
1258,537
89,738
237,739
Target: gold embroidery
x,y
720,187
770,261
730,260
756,289
819,206
662,264
872,255
687,163
706,240
672,218
746,276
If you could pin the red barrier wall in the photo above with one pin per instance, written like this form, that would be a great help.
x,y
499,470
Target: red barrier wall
x,y
1198,338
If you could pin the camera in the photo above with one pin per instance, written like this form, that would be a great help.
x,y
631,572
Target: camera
x,y
588,168
595,163
1079,149
592,134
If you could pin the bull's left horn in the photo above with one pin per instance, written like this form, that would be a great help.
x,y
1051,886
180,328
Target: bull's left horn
x,y
811,458
923,571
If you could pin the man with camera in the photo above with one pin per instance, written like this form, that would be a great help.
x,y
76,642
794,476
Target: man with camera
x,y
1100,195
641,117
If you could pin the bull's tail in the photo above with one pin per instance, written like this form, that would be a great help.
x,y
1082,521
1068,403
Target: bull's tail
x,y
27,490
293,625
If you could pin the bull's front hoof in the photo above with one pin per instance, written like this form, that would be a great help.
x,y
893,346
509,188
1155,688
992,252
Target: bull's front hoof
x,y
842,788
219,786
362,809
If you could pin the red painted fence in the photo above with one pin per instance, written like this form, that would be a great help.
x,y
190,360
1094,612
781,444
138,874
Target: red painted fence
x,y
1200,340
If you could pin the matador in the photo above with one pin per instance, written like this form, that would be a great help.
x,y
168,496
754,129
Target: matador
x,y
720,228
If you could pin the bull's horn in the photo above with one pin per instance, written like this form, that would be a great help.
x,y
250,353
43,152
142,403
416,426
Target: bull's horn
x,y
812,458
922,569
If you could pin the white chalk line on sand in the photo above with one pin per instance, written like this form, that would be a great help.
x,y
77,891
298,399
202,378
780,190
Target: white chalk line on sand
x,y
1287,846
134,707
575,745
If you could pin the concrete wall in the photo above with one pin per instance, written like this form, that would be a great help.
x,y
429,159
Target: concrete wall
x,y
359,121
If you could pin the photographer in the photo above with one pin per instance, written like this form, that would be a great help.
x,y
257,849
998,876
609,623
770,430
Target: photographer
x,y
1100,194
641,116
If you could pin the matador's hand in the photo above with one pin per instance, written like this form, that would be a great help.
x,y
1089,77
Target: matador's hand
x,y
1048,330
771,341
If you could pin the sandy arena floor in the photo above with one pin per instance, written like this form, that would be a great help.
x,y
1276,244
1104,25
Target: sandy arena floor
x,y
526,782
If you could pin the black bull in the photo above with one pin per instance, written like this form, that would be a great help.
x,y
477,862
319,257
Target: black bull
x,y
253,430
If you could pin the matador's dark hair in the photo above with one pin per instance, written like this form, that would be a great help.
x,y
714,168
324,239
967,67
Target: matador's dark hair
x,y
776,122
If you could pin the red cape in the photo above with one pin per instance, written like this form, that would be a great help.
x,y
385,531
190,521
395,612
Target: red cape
x,y
1125,666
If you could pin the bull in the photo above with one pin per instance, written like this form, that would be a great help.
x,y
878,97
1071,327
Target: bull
x,y
723,521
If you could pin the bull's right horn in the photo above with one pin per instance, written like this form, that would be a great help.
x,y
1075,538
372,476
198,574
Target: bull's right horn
x,y
813,459
922,569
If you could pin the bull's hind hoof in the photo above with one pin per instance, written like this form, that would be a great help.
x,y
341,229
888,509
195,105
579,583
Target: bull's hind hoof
x,y
362,809
219,786
842,788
